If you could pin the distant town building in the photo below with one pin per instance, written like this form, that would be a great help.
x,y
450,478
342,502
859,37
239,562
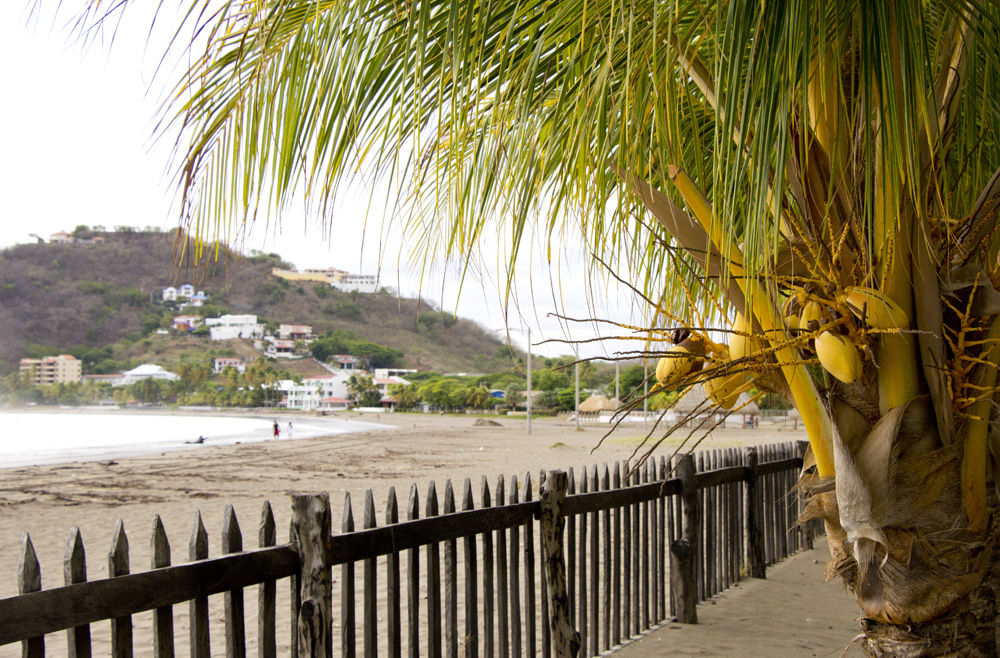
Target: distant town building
x,y
346,361
62,369
187,322
223,362
334,404
98,379
145,371
227,327
383,384
326,276
294,331
280,349
382,373
185,292
340,279
311,393
365,283
62,237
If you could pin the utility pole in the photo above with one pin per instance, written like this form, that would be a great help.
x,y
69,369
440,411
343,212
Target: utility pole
x,y
645,395
618,393
529,380
576,403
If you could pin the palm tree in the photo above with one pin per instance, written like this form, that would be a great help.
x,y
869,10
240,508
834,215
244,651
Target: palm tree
x,y
825,170
405,395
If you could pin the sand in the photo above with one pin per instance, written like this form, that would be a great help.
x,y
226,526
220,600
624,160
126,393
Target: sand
x,y
47,501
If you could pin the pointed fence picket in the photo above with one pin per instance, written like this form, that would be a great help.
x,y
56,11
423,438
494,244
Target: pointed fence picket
x,y
198,607
75,571
29,579
267,639
121,627
163,618
640,544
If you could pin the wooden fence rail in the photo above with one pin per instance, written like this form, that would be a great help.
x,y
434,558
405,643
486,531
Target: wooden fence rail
x,y
592,559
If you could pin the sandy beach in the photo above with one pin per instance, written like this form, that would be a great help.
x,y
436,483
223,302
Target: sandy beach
x,y
46,501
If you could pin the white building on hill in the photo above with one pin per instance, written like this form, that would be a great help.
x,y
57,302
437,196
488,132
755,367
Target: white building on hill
x,y
339,279
228,327
295,331
366,283
145,371
220,363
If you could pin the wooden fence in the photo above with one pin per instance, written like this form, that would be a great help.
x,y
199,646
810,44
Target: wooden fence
x,y
589,560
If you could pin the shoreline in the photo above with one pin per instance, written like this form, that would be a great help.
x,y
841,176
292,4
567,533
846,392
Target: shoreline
x,y
100,434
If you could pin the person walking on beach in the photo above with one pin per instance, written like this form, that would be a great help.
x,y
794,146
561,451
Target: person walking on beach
x,y
277,431
289,429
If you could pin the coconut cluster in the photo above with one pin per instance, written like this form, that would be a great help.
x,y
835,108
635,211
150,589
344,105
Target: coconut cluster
x,y
834,330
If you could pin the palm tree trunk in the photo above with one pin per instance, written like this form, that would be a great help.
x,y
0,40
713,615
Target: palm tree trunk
x,y
954,637
899,537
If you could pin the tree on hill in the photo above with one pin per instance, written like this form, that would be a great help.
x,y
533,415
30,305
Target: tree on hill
x,y
819,181
342,341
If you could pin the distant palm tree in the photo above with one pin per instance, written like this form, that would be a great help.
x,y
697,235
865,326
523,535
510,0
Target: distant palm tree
x,y
476,397
828,170
405,395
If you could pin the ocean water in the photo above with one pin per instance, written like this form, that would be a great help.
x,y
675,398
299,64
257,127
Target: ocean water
x,y
29,439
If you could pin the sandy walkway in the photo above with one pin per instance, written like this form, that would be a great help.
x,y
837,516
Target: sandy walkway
x,y
47,501
791,613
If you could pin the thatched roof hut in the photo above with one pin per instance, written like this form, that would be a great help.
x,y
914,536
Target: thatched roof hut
x,y
694,398
794,416
597,404
750,409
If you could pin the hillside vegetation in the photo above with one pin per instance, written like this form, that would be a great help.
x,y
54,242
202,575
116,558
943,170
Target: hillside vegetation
x,y
57,298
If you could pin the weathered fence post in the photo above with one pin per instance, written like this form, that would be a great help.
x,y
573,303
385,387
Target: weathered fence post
x,y
807,529
312,529
684,551
29,579
267,641
75,571
565,640
756,562
163,618
198,607
118,565
347,613
236,635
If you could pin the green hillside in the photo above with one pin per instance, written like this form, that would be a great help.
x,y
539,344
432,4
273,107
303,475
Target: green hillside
x,y
58,298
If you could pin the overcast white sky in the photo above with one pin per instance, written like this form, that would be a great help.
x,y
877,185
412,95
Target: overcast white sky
x,y
77,148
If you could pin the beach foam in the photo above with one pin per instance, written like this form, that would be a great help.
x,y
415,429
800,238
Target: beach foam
x,y
29,439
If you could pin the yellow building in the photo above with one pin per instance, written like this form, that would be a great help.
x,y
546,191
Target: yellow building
x,y
62,369
320,276
340,279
